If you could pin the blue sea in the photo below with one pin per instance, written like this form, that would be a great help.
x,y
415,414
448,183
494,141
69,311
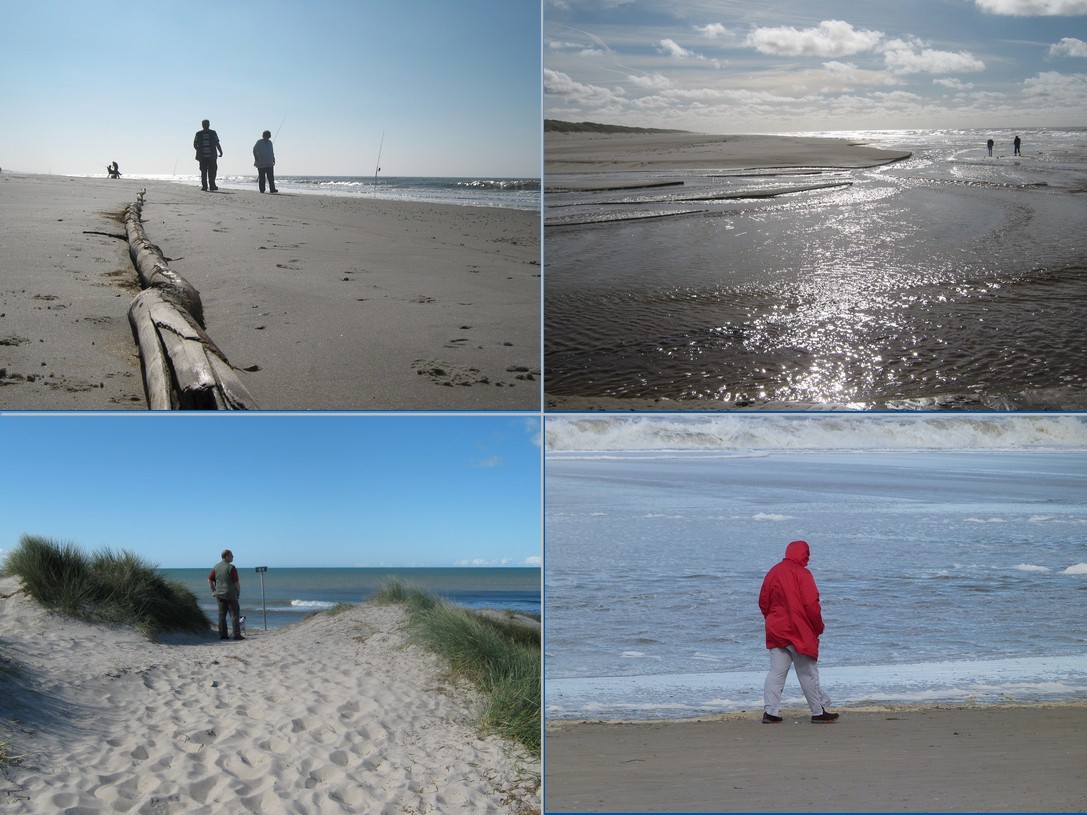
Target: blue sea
x,y
291,594
950,552
950,280
513,193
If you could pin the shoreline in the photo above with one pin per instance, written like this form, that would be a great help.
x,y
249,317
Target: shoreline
x,y
330,303
916,758
594,153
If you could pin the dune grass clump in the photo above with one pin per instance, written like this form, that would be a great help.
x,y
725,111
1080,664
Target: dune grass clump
x,y
110,587
500,657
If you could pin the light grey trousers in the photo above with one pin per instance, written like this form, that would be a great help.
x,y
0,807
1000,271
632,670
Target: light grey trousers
x,y
807,671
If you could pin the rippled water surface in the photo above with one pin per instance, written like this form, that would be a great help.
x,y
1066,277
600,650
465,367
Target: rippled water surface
x,y
949,279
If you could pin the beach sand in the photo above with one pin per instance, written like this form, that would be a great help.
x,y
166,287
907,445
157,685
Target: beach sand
x,y
335,714
627,152
338,303
910,759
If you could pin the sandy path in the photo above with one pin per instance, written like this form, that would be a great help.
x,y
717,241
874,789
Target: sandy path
x,y
336,714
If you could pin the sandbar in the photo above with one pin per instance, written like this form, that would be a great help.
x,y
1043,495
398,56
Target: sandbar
x,y
326,302
582,153
339,713
1023,758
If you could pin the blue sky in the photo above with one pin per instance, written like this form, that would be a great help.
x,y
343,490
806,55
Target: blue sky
x,y
315,490
455,86
726,66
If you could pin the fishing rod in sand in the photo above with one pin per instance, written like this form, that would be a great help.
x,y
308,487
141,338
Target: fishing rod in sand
x,y
377,169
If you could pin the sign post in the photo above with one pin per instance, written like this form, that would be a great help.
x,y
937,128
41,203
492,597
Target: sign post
x,y
261,570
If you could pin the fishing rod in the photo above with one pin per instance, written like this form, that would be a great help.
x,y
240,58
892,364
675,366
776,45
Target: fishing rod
x,y
276,136
378,168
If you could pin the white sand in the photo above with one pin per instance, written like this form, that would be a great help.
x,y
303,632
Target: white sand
x,y
336,714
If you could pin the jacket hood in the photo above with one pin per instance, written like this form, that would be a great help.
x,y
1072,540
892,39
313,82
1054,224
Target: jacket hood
x,y
798,552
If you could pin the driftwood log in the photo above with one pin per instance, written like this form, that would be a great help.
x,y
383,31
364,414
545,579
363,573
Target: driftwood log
x,y
183,369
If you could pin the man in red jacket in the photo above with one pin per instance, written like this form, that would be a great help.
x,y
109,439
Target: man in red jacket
x,y
789,601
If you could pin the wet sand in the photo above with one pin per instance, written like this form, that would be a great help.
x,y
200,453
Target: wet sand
x,y
335,303
626,152
912,759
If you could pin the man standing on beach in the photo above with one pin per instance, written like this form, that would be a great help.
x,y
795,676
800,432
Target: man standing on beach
x,y
1017,143
789,601
264,159
206,143
223,579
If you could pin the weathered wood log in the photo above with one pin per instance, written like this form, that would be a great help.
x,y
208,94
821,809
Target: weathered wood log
x,y
183,368
151,264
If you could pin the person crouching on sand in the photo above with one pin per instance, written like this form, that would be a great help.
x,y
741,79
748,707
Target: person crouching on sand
x,y
223,579
789,601
264,159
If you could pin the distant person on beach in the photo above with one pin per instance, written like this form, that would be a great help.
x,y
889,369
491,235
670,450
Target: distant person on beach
x,y
1017,142
990,144
206,143
223,579
789,601
113,171
264,159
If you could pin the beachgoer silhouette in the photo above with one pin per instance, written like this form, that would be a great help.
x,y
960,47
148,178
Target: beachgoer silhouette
x,y
1017,142
264,159
113,170
206,143
989,144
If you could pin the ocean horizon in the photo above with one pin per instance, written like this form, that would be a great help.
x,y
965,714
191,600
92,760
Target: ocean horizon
x,y
293,593
477,191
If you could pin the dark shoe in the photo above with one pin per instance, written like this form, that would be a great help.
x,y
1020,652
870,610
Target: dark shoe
x,y
215,189
275,190
242,638
203,189
824,717
768,719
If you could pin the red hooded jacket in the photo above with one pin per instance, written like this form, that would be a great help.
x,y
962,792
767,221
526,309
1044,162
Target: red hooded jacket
x,y
789,601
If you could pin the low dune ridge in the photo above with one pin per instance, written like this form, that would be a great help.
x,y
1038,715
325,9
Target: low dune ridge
x,y
339,713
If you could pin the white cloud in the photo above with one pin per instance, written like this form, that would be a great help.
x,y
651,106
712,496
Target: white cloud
x,y
676,51
557,83
1032,8
673,48
712,31
831,38
655,82
1057,89
911,57
534,560
1069,47
954,84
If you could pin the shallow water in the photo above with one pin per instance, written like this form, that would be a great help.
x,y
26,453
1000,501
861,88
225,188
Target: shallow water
x,y
949,279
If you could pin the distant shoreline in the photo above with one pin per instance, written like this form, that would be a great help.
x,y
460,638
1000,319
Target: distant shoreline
x,y
612,152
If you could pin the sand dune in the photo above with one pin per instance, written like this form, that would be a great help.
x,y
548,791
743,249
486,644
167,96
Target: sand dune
x,y
335,714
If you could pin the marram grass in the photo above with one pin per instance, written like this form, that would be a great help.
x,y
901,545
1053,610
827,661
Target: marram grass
x,y
110,587
501,658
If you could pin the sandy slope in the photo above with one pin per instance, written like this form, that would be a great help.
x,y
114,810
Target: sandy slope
x,y
335,714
